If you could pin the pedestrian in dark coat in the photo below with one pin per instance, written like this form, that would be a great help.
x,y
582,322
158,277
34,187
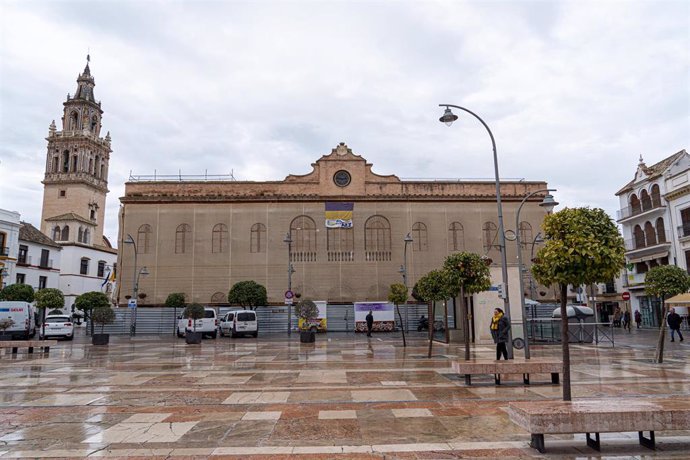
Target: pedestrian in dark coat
x,y
500,327
370,323
674,321
626,320
638,318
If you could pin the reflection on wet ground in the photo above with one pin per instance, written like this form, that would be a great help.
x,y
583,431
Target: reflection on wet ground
x,y
155,397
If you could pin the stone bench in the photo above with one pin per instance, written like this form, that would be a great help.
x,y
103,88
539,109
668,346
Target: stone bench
x,y
15,345
600,416
511,366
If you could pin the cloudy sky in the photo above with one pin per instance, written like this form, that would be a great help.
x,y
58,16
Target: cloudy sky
x,y
574,92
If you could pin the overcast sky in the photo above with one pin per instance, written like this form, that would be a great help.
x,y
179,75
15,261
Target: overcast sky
x,y
574,92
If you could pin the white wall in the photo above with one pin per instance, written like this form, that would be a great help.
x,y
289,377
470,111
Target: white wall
x,y
72,282
33,272
9,224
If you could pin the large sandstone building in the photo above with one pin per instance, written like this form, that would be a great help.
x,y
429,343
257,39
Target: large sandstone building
x,y
201,237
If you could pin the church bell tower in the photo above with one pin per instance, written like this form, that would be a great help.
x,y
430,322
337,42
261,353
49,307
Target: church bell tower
x,y
76,170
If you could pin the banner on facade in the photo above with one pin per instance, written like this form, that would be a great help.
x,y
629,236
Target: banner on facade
x,y
339,214
383,313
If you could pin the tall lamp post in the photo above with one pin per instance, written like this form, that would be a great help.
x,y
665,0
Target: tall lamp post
x,y
547,203
448,118
135,284
291,270
403,271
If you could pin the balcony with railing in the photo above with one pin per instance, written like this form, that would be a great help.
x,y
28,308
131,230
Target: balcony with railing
x,y
4,251
642,243
646,207
27,261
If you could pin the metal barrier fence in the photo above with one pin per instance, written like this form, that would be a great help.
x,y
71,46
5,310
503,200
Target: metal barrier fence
x,y
162,321
548,330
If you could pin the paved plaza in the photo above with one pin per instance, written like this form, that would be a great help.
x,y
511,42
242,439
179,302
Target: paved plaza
x,y
346,396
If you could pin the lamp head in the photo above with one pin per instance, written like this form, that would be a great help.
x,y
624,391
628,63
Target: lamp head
x,y
129,239
448,117
144,271
287,238
408,239
548,203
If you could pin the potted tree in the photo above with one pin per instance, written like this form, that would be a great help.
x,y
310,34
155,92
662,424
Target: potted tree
x,y
307,311
90,301
194,312
102,316
4,325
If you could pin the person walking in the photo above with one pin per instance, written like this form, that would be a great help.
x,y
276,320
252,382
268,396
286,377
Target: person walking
x,y
626,320
638,318
370,323
617,314
674,321
499,332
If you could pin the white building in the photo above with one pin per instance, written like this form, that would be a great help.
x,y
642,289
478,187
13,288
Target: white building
x,y
38,259
655,218
9,246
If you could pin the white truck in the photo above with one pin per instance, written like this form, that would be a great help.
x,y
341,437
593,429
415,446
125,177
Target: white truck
x,y
22,315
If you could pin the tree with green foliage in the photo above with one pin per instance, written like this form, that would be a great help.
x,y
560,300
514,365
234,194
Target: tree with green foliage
x,y
468,274
102,316
307,311
194,312
435,286
665,281
415,294
583,246
397,294
49,299
175,300
248,294
89,301
17,293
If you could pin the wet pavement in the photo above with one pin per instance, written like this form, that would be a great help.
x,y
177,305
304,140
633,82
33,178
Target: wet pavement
x,y
346,396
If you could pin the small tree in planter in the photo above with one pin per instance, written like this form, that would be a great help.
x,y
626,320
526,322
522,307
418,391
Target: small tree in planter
x,y
102,316
193,312
307,310
49,299
4,325
89,301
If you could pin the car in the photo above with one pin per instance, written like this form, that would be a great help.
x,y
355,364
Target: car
x,y
22,315
244,323
208,325
57,326
226,323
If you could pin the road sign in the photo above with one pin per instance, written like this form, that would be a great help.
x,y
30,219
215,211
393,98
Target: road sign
x,y
625,296
289,294
288,301
132,303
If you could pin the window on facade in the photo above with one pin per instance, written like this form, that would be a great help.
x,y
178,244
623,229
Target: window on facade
x,y
257,238
23,253
660,230
80,235
656,196
143,239
183,236
490,236
219,238
646,200
641,267
74,164
42,282
62,194
420,240
65,233
57,234
21,278
65,161
92,214
610,287
303,235
45,258
56,164
635,206
73,121
377,239
94,123
340,244
649,234
638,235
101,269
84,266
525,234
687,261
685,222
456,236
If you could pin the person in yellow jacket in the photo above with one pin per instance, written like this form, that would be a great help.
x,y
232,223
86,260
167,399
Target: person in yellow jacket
x,y
499,331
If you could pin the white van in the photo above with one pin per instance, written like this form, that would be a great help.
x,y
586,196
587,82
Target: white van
x,y
23,315
245,322
227,322
208,325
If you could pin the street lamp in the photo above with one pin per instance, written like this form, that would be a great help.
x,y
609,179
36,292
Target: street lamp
x,y
291,270
548,203
135,288
403,271
448,118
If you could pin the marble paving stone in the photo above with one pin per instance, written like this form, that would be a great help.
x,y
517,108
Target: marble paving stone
x,y
382,395
314,376
265,415
65,400
142,433
146,418
337,414
224,380
258,397
393,383
412,413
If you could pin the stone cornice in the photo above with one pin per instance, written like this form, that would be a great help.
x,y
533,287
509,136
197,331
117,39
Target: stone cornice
x,y
685,190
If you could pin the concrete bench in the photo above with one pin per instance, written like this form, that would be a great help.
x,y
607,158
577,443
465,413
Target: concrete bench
x,y
15,345
511,366
600,416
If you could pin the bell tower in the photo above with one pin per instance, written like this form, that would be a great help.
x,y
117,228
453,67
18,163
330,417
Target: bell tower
x,y
76,170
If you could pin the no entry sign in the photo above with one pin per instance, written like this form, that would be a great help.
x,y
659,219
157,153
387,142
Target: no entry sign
x,y
625,296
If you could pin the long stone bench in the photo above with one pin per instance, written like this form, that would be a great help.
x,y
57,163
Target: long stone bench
x,y
511,366
600,416
15,345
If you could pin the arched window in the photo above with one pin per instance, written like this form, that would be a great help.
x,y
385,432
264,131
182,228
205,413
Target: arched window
x,y
74,163
660,230
420,241
638,234
490,234
377,239
183,238
257,238
57,235
650,234
97,167
525,234
73,121
219,297
80,235
84,266
56,164
90,165
65,161
635,206
87,236
656,196
94,124
646,200
143,239
219,238
101,174
341,244
456,236
65,233
303,236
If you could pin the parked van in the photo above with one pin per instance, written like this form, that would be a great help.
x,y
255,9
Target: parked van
x,y
245,322
227,322
208,325
23,315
